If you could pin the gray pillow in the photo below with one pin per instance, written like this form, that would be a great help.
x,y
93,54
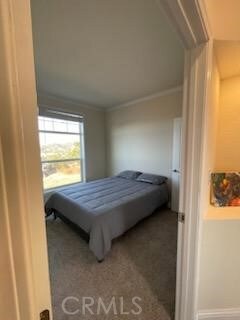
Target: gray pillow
x,y
151,178
129,174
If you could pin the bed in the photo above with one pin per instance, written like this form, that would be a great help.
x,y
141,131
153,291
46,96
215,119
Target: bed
x,y
105,209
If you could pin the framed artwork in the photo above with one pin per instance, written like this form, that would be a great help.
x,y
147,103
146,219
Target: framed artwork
x,y
225,189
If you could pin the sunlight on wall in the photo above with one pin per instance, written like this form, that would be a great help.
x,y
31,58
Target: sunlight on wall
x,y
219,282
228,142
227,157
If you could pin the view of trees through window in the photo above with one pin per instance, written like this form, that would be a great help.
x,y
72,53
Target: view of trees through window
x,y
61,152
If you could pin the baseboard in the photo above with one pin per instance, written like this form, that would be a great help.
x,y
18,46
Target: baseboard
x,y
219,314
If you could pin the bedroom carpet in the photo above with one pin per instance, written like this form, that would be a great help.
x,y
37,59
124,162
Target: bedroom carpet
x,y
141,264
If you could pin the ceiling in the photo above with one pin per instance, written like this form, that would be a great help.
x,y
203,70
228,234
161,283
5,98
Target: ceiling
x,y
228,58
104,52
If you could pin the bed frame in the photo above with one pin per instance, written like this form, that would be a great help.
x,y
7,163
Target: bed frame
x,y
83,234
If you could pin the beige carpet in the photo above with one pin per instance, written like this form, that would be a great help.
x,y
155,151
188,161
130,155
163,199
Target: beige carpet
x,y
141,264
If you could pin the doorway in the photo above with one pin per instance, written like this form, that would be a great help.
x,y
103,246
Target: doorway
x,y
131,87
43,302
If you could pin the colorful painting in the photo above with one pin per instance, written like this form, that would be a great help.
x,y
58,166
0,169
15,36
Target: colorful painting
x,y
225,189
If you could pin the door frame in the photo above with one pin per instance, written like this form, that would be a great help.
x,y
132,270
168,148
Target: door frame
x,y
191,188
190,21
18,128
176,135
22,180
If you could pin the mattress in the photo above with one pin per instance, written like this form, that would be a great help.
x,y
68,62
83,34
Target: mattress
x,y
107,208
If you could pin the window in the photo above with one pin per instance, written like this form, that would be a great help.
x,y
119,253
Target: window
x,y
61,145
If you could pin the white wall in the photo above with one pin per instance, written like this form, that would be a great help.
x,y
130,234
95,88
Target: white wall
x,y
94,126
224,18
228,143
220,265
139,136
219,280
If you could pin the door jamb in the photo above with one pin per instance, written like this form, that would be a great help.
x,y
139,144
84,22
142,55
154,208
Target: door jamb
x,y
22,174
191,23
191,193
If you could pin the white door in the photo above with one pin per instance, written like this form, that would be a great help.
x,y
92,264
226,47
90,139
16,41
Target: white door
x,y
176,156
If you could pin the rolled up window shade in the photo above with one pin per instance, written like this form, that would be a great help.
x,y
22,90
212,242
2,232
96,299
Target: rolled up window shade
x,y
58,114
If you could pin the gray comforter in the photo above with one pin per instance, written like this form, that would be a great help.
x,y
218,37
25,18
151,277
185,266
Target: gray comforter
x,y
106,208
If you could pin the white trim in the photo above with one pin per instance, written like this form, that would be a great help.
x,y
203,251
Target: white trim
x,y
22,178
73,103
195,86
201,7
196,102
179,271
146,98
202,186
7,240
219,314
189,20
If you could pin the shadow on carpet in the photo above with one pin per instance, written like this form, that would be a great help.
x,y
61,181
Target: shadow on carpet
x,y
140,268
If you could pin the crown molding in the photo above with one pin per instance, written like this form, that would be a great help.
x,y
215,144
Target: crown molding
x,y
189,19
73,103
146,98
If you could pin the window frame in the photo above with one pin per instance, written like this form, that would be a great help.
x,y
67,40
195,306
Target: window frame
x,y
65,116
